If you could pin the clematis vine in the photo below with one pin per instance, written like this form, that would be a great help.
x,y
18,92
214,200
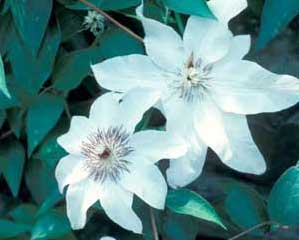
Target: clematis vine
x,y
108,162
205,88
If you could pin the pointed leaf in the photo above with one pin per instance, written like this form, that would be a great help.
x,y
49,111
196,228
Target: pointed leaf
x,y
12,160
42,116
186,202
31,18
275,17
283,204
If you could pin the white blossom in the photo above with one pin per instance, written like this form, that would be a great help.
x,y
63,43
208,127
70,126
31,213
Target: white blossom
x,y
94,22
108,162
206,89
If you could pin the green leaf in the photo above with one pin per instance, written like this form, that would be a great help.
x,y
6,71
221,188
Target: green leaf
x,y
31,18
2,117
50,152
3,86
31,74
42,116
191,7
73,67
275,17
15,118
51,225
50,202
186,202
10,229
250,209
24,214
7,33
107,5
116,42
283,204
40,180
12,159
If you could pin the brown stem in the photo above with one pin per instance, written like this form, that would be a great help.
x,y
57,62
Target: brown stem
x,y
154,225
6,134
111,19
254,228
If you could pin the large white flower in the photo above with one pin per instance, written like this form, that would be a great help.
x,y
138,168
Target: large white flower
x,y
107,238
107,161
206,89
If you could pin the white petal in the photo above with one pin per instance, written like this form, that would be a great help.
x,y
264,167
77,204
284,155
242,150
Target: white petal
x,y
79,198
246,156
81,127
70,170
226,10
206,39
134,104
117,203
246,88
239,48
163,45
107,238
179,115
210,128
105,110
186,169
157,145
148,183
123,73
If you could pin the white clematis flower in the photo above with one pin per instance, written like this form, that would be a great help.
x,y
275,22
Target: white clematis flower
x,y
108,162
206,89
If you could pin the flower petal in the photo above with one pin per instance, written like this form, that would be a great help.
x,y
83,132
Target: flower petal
x,y
157,145
79,198
134,104
209,125
186,169
70,170
226,10
105,110
148,183
163,45
246,156
120,74
239,48
246,88
79,130
206,39
117,204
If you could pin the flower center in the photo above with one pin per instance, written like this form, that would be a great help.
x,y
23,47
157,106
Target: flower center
x,y
105,152
193,79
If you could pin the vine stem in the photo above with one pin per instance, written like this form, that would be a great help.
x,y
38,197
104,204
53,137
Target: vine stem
x,y
154,225
254,228
111,19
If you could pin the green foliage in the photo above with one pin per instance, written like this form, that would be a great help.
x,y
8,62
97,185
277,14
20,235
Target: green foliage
x,y
184,201
192,7
10,229
42,116
31,18
245,207
107,4
283,205
3,86
12,160
50,225
275,17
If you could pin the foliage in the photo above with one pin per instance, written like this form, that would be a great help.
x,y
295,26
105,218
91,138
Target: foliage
x,y
45,78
